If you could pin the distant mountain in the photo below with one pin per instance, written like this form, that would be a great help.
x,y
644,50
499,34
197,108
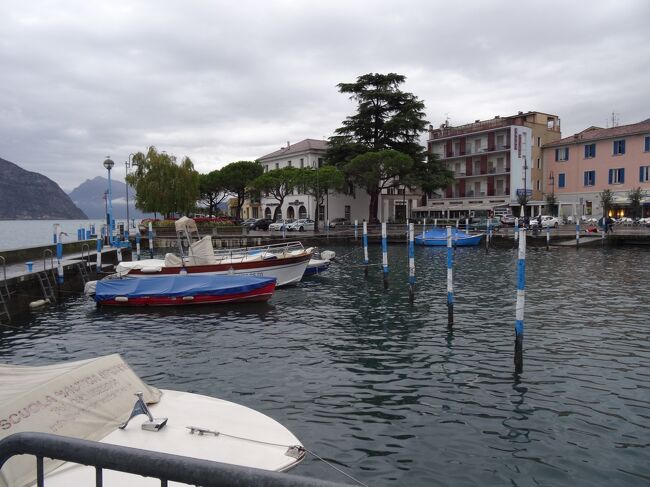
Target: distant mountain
x,y
26,195
89,196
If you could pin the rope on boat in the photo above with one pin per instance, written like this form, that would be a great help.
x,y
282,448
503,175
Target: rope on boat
x,y
335,468
302,448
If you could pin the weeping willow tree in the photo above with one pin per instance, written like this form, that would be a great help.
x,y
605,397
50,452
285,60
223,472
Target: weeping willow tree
x,y
162,185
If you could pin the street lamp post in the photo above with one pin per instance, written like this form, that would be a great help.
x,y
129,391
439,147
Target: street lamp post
x,y
130,163
108,164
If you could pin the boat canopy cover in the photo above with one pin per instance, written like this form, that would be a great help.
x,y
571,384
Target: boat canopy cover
x,y
87,399
179,285
185,224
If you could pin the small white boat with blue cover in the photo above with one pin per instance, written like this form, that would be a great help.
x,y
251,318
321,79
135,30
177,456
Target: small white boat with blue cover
x,y
437,237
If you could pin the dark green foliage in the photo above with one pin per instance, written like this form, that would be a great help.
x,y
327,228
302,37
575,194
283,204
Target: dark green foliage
x,y
386,119
237,177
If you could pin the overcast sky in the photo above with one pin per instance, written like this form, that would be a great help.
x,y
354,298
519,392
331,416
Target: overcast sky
x,y
221,81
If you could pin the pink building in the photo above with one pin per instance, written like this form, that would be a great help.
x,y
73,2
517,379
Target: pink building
x,y
578,168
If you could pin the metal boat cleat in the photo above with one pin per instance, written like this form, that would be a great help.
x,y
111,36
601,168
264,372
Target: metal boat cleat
x,y
140,407
201,431
295,451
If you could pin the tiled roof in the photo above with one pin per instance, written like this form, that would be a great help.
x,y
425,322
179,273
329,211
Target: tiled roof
x,y
598,133
302,146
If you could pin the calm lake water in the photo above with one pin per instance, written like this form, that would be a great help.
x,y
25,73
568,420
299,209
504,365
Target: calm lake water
x,y
383,390
15,234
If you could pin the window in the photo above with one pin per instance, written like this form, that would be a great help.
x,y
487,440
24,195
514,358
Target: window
x,y
289,163
539,163
537,185
619,147
617,176
644,174
539,141
647,144
320,162
266,168
590,178
562,154
561,180
590,151
277,165
302,163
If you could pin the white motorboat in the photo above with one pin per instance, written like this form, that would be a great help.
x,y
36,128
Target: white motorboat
x,y
319,263
286,262
98,400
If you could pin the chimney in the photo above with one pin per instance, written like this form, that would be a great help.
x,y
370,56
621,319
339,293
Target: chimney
x,y
288,145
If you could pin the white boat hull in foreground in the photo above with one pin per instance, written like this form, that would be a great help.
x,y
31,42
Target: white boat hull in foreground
x,y
246,438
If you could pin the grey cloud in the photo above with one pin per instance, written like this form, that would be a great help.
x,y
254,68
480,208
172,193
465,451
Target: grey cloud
x,y
222,81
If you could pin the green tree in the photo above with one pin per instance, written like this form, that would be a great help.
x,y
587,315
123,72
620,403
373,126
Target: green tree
x,y
237,178
386,118
635,196
278,183
374,171
318,183
211,190
606,200
161,185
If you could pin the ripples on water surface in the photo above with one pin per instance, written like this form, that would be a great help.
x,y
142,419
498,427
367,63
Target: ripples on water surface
x,y
379,386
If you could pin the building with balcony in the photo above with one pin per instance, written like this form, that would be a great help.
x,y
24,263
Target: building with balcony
x,y
493,162
579,168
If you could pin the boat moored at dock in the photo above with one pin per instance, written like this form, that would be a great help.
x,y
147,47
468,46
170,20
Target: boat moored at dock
x,y
437,237
178,290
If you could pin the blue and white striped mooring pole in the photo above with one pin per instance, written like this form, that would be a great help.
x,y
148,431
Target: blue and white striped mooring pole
x,y
516,230
137,244
356,229
150,240
521,301
59,259
450,280
411,262
364,242
384,254
98,266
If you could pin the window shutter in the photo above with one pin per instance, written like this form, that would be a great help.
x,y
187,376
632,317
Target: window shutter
x,y
621,175
622,146
586,152
557,154
586,178
611,175
641,174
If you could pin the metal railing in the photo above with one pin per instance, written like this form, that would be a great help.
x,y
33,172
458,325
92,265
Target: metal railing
x,y
162,466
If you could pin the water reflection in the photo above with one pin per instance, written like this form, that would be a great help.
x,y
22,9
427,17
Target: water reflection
x,y
383,388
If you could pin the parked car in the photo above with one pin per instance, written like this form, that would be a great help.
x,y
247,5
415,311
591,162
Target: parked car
x,y
481,224
338,222
301,225
248,222
508,220
260,224
275,226
547,221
